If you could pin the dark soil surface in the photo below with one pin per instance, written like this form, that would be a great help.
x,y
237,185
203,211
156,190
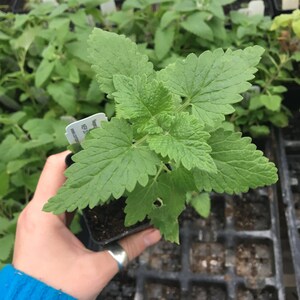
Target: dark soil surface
x,y
123,285
215,221
158,291
107,222
265,294
121,288
208,292
254,261
207,258
163,256
251,213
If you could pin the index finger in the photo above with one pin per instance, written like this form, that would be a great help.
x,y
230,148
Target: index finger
x,y
51,179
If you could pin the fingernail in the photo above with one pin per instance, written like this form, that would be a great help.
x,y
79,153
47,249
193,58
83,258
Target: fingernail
x,y
152,237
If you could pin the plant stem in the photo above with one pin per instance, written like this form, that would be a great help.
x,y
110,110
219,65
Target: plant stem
x,y
159,171
275,76
184,105
140,141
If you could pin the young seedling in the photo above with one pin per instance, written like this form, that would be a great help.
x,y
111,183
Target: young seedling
x,y
167,143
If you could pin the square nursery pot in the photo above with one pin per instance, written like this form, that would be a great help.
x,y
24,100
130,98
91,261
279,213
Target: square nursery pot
x,y
105,224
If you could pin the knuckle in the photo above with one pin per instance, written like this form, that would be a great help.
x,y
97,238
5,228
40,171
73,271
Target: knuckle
x,y
25,220
51,159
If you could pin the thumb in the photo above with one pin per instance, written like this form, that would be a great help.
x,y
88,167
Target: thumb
x,y
135,244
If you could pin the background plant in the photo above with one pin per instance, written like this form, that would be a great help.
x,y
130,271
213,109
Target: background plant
x,y
45,82
171,28
279,66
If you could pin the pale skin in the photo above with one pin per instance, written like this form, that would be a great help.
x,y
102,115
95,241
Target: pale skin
x,y
47,250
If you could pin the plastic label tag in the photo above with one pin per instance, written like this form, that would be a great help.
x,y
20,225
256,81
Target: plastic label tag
x,y
76,131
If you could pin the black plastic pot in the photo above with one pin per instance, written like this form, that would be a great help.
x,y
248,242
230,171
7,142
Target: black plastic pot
x,y
105,224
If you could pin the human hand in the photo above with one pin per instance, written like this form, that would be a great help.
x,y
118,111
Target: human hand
x,y
47,250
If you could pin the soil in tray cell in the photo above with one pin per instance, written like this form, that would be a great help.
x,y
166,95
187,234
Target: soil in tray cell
x,y
215,221
207,292
252,212
207,258
120,288
155,291
254,261
265,294
164,256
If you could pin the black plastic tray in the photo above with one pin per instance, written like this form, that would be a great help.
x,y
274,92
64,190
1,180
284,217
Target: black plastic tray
x,y
234,254
289,166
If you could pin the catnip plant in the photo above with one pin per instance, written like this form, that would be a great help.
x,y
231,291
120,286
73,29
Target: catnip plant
x,y
167,143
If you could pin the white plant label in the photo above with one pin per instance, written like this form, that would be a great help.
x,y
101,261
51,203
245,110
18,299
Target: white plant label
x,y
76,131
290,4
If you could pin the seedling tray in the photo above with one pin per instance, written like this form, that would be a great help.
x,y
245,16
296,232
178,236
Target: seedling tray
x,y
234,254
289,166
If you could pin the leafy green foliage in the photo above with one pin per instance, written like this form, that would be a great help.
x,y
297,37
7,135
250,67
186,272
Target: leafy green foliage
x,y
239,165
264,106
200,202
213,81
44,77
130,63
167,27
157,150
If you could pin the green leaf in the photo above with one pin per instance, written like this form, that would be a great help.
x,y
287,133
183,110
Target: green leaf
x,y
296,27
25,40
196,25
165,216
279,119
167,18
10,149
185,6
16,165
4,225
163,41
111,54
271,102
4,183
109,164
240,166
43,72
64,94
213,81
140,202
67,71
255,103
259,130
200,202
184,141
42,140
278,89
94,94
296,56
7,243
142,101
